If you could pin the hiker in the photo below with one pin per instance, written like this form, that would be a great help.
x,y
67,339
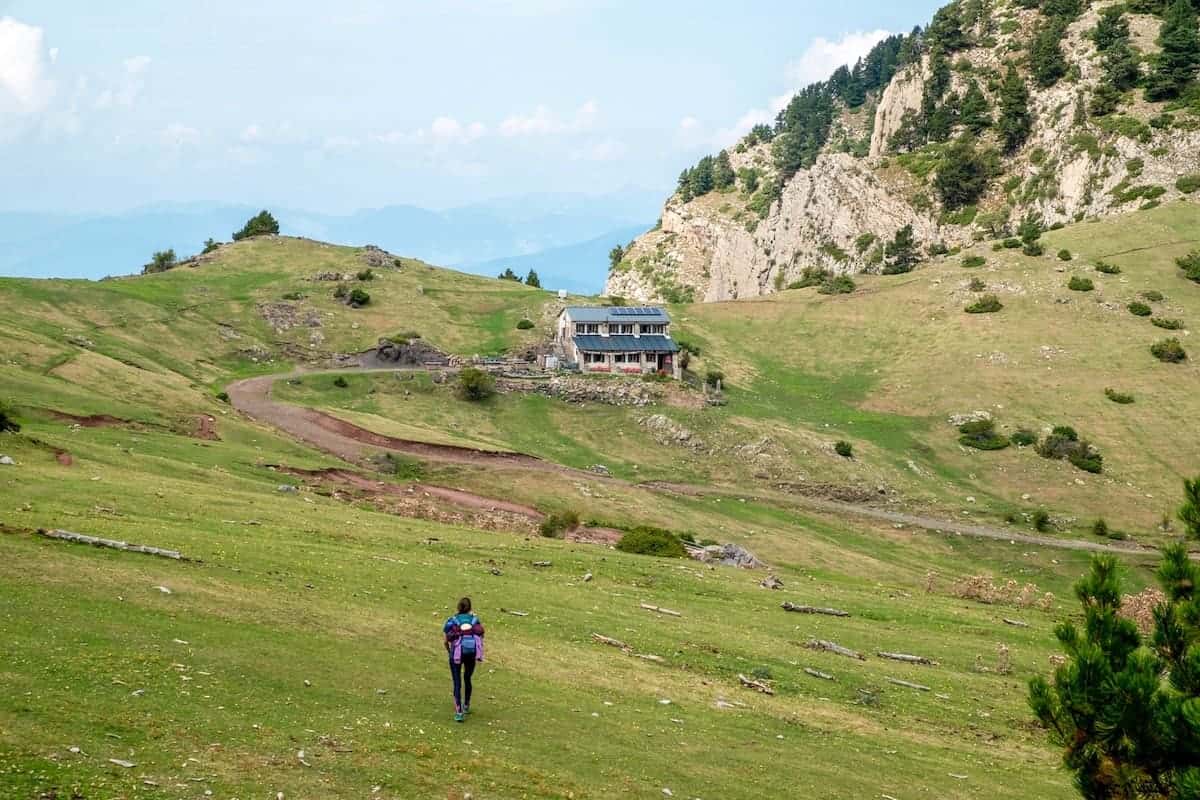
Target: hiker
x,y
464,643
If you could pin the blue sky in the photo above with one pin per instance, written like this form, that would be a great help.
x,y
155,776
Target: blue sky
x,y
339,106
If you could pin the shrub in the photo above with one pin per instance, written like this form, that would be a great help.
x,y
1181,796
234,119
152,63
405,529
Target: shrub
x,y
1107,268
1033,249
981,434
1064,443
1023,437
1118,397
358,298
1064,255
1167,324
988,304
1100,528
340,382
1041,520
1188,184
1152,295
365,275
1140,309
714,376
404,468
686,345
1169,351
8,422
843,448
161,261
340,291
558,523
976,285
1011,244
210,245
1079,284
292,296
1190,264
811,276
840,284
525,324
223,397
649,541
261,224
970,262
475,385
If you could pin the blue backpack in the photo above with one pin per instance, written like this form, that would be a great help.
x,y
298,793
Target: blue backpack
x,y
468,642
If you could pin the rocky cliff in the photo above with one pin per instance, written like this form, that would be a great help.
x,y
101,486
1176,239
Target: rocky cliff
x,y
1088,153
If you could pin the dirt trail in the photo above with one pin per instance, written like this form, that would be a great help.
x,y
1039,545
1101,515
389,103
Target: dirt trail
x,y
352,443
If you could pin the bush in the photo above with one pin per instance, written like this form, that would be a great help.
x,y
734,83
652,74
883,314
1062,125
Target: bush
x,y
841,284
648,541
843,448
8,422
365,275
1100,528
1041,520
1011,244
1167,324
1064,255
1118,397
210,245
340,382
811,276
1190,264
1169,351
261,224
358,298
161,261
1023,437
223,397
475,385
1152,295
970,262
988,304
1188,184
714,376
1033,249
404,468
525,325
1064,443
1140,309
981,434
1078,284
1107,268
404,338
340,291
558,523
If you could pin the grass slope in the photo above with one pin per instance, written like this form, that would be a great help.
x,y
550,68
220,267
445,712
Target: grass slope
x,y
204,688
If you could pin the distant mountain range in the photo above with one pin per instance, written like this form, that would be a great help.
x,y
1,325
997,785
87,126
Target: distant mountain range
x,y
565,237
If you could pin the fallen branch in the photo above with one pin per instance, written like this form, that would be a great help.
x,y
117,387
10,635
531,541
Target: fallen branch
x,y
908,659
832,612
833,647
515,613
617,643
758,686
661,610
651,657
816,673
541,563
1015,622
96,541
908,685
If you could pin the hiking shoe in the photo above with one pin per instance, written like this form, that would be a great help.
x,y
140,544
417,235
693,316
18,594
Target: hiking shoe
x,y
458,716
466,709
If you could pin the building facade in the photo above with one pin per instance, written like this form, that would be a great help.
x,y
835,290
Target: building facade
x,y
617,339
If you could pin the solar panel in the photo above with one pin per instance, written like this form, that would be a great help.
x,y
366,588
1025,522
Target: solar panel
x,y
641,311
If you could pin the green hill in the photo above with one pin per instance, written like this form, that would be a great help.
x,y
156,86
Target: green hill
x,y
299,652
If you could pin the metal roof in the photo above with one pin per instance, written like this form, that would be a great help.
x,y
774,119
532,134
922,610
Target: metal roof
x,y
617,314
626,344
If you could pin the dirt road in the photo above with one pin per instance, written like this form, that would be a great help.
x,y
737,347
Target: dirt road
x,y
355,444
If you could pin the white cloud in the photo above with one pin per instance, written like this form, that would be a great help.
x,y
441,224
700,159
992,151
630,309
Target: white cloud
x,y
605,150
543,121
178,135
251,133
53,55
450,129
823,56
340,143
816,63
136,64
689,124
24,85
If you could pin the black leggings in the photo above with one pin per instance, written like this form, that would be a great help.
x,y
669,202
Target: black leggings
x,y
461,673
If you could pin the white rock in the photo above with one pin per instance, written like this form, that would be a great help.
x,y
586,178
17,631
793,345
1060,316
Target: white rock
x,y
6,461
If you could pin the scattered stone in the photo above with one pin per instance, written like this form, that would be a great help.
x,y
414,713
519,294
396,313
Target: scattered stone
x,y
730,555
120,762
600,469
587,578
971,416
7,461
816,673
163,589
801,609
287,488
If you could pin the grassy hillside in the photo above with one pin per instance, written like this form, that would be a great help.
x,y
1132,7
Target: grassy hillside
x,y
310,620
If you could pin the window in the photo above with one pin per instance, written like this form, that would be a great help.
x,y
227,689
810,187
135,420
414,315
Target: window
x,y
654,329
586,329
593,358
624,330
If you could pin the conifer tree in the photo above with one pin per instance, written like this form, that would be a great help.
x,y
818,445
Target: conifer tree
x,y
975,113
722,172
1015,122
533,280
1046,60
901,252
1176,64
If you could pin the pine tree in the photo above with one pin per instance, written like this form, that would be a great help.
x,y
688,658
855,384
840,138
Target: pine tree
x,y
722,172
963,175
1126,710
855,93
1176,65
1111,28
1189,512
700,179
684,188
946,30
975,113
615,256
261,224
901,252
1015,121
533,280
1046,60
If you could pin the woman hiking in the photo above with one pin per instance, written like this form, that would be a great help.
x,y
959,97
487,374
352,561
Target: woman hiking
x,y
464,643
